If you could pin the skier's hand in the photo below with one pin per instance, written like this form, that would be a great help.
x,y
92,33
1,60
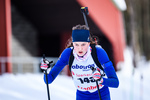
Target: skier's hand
x,y
45,64
97,75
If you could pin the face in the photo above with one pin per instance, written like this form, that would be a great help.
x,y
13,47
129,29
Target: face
x,y
81,47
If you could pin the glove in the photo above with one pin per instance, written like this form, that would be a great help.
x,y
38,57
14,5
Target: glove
x,y
45,65
97,75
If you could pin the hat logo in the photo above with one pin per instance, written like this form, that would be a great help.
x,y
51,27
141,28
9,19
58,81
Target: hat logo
x,y
88,39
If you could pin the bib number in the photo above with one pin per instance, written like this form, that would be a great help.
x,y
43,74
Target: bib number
x,y
86,79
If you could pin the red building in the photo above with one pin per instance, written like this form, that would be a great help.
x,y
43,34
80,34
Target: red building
x,y
103,15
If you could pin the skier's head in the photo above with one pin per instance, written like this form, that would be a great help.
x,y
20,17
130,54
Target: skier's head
x,y
80,39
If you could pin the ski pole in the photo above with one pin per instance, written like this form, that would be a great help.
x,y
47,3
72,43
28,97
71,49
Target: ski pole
x,y
98,90
47,85
93,69
85,12
46,79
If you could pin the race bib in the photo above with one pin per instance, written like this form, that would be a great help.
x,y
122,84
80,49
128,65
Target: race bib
x,y
82,75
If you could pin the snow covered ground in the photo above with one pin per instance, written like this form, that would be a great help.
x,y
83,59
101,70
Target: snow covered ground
x,y
32,87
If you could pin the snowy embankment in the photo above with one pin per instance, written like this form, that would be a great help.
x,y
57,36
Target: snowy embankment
x,y
32,87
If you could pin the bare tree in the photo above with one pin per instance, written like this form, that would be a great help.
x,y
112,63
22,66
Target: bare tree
x,y
138,28
146,28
